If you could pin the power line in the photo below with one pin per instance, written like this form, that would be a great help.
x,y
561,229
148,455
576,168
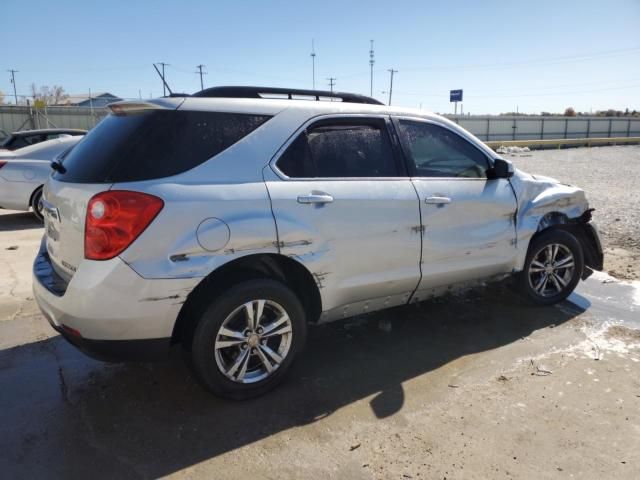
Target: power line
x,y
13,80
165,86
164,82
391,71
537,61
549,94
199,67
371,62
332,83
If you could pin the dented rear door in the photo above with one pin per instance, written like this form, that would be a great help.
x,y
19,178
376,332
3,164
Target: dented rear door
x,y
352,218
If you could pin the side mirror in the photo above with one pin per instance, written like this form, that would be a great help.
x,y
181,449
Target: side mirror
x,y
501,169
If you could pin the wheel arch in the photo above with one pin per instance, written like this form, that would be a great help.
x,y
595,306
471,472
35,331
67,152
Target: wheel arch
x,y
581,228
274,266
33,194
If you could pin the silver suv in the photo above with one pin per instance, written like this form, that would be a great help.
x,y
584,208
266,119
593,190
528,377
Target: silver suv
x,y
228,220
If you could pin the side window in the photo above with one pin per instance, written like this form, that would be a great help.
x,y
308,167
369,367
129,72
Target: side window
x,y
438,152
334,150
18,142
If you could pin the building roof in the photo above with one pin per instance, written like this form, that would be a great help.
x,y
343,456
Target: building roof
x,y
74,99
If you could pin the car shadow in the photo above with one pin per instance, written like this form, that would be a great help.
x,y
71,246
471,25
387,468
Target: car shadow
x,y
18,221
65,415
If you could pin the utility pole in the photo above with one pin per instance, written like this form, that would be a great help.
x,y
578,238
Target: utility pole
x,y
164,83
199,67
371,62
13,80
313,63
391,71
332,83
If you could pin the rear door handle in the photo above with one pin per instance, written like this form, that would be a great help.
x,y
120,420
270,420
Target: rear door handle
x,y
315,198
437,200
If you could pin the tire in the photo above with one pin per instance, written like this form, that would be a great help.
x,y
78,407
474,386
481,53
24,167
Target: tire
x,y
229,356
36,204
552,269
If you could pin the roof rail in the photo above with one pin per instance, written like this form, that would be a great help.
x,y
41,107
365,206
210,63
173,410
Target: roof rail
x,y
269,92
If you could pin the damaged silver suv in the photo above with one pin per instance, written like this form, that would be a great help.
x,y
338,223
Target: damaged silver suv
x,y
228,220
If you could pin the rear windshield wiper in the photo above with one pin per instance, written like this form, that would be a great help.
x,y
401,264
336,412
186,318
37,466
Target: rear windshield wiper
x,y
58,167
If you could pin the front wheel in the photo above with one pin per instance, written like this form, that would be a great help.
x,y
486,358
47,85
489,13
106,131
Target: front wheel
x,y
553,267
36,204
247,338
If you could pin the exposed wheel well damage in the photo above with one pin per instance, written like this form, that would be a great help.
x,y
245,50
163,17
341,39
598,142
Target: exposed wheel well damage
x,y
583,230
273,266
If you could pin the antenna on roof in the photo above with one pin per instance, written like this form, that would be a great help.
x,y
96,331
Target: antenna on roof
x,y
161,75
313,63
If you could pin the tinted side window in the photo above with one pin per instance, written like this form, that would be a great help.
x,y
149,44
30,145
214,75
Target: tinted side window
x,y
340,150
153,144
438,152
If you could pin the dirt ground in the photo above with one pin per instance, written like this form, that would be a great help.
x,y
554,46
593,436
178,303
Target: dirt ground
x,y
477,385
610,176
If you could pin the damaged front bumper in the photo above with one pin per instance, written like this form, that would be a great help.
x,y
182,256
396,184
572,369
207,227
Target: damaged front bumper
x,y
587,233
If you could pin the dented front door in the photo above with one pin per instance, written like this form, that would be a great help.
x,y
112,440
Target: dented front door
x,y
468,229
467,218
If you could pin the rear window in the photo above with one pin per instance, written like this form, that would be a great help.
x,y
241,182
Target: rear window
x,y
153,144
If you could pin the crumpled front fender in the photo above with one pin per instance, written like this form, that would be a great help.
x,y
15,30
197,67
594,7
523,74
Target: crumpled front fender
x,y
540,200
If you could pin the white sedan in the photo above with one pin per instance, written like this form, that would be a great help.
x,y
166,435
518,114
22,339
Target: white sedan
x,y
24,171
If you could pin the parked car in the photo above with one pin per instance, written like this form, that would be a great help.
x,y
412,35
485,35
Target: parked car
x,y
25,138
226,222
24,171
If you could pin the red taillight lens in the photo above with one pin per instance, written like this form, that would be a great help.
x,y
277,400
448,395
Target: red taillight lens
x,y
115,219
2,164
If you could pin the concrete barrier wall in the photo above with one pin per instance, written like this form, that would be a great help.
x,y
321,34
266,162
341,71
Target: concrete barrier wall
x,y
485,127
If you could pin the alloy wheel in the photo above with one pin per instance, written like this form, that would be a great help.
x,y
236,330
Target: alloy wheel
x,y
551,270
253,341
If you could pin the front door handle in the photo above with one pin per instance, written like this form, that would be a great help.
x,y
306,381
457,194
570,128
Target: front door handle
x,y
437,200
315,198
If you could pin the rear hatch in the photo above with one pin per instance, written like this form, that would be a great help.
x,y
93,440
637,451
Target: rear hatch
x,y
65,206
139,141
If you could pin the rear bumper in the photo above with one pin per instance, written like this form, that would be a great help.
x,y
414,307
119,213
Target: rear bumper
x,y
107,310
118,350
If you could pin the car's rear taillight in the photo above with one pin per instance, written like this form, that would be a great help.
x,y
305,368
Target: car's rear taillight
x,y
2,163
115,219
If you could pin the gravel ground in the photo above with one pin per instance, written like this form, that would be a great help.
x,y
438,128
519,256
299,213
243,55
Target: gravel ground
x,y
610,176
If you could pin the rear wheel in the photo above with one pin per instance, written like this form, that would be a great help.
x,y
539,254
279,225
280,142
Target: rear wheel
x,y
36,204
247,338
552,268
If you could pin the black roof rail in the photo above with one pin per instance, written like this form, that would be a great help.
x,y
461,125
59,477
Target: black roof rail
x,y
264,92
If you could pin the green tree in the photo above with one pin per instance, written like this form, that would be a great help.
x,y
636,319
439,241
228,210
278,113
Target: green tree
x,y
569,112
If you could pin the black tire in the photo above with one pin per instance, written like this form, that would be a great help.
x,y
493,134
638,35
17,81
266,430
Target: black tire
x,y
205,356
528,279
36,204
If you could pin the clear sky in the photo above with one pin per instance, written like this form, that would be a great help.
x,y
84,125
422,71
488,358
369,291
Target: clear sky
x,y
535,55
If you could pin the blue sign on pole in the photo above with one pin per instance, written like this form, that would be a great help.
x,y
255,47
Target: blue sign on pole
x,y
455,95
